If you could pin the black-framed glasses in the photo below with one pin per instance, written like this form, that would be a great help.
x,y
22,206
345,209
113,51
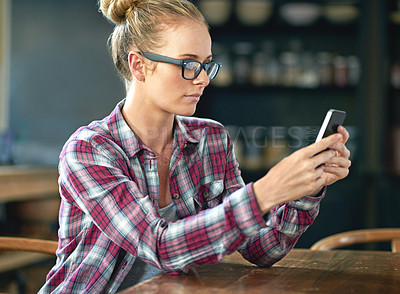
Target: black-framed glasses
x,y
190,68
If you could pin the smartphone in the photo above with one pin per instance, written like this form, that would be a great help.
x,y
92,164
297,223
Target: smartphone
x,y
333,119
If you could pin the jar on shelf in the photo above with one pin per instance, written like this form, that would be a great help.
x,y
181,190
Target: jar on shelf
x,y
325,71
309,71
242,66
266,68
340,71
225,75
291,67
259,66
353,70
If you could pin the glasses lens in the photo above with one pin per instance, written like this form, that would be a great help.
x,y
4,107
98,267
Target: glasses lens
x,y
192,70
212,70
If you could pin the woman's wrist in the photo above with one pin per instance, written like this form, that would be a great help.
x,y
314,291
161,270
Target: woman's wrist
x,y
263,202
317,193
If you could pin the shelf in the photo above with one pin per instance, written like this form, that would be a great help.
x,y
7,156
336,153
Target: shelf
x,y
275,24
276,29
373,106
27,183
253,88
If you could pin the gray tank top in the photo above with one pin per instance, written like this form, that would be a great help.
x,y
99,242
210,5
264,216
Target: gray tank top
x,y
142,271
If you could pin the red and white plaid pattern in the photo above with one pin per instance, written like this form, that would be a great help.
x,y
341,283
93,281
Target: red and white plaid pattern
x,y
109,207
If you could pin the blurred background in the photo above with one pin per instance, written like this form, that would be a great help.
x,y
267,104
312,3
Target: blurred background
x,y
285,63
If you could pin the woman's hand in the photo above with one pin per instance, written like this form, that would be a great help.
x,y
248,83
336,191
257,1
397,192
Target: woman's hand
x,y
305,172
338,167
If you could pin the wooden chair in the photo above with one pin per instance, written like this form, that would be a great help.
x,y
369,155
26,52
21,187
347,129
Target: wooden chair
x,y
17,252
358,237
28,244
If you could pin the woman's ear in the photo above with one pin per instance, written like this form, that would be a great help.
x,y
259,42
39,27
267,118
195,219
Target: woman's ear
x,y
136,65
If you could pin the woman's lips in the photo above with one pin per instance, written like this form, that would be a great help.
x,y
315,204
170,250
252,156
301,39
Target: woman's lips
x,y
193,97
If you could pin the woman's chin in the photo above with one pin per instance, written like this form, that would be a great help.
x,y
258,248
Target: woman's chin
x,y
187,112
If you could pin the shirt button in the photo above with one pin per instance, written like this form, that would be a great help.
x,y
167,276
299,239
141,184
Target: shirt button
x,y
176,196
206,194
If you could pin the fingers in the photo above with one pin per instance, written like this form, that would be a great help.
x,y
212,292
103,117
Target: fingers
x,y
323,157
337,168
337,155
342,136
339,172
340,162
344,132
341,149
325,143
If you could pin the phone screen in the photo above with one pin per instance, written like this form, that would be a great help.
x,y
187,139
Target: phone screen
x,y
333,119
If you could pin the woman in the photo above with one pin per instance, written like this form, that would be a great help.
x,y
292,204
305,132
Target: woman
x,y
149,190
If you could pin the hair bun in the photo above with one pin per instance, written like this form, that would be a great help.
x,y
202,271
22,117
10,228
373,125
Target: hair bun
x,y
117,10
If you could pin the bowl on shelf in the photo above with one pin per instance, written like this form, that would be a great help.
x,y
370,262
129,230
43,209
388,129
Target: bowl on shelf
x,y
300,13
253,12
216,12
340,13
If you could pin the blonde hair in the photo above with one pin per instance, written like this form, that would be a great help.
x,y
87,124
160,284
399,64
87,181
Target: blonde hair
x,y
139,25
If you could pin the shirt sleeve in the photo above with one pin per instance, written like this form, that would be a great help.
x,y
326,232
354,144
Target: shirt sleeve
x,y
284,223
97,180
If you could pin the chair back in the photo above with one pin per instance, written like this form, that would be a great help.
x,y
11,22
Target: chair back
x,y
358,237
28,244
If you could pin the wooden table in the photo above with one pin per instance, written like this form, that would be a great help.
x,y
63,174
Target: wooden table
x,y
27,184
301,271
19,183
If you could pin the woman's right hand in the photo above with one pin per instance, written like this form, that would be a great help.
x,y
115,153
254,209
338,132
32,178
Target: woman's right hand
x,y
297,175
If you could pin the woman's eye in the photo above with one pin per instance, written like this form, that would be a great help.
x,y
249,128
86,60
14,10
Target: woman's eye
x,y
191,65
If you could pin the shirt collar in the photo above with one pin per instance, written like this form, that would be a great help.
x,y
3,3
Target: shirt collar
x,y
121,132
185,131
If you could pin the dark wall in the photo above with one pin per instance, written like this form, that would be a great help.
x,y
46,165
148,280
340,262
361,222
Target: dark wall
x,y
62,75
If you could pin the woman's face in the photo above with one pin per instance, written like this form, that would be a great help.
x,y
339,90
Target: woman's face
x,y
166,89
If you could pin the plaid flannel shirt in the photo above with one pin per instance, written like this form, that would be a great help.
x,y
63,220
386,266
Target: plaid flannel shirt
x,y
109,207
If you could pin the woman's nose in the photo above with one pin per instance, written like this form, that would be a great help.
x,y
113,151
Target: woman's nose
x,y
202,78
